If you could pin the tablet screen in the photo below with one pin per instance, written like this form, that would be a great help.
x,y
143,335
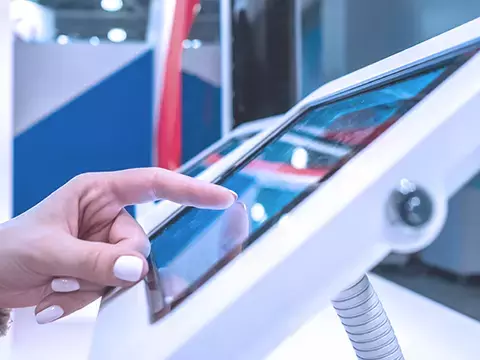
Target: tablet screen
x,y
193,245
223,150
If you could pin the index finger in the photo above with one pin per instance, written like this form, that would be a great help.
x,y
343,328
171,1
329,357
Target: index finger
x,y
137,186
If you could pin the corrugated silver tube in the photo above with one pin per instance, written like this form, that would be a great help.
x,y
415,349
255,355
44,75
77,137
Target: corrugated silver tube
x,y
366,323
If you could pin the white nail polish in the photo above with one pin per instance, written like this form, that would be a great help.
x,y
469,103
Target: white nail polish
x,y
50,314
64,285
128,268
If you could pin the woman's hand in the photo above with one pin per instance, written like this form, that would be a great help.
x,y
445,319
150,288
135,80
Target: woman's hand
x,y
64,252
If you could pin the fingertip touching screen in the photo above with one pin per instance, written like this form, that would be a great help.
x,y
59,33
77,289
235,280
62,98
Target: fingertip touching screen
x,y
191,246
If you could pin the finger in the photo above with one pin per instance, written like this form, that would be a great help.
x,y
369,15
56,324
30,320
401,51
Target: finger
x,y
99,263
56,305
136,186
126,231
235,231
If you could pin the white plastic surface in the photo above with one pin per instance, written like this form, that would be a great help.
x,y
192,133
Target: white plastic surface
x,y
457,249
293,269
422,325
425,330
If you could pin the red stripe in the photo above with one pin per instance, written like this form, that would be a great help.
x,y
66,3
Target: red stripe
x,y
279,168
359,136
169,132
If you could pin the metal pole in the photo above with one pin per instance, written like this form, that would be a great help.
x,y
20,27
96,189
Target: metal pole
x,y
298,45
366,323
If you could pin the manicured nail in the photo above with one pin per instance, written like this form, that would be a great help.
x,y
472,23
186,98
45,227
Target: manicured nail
x,y
235,195
50,314
64,285
243,205
128,268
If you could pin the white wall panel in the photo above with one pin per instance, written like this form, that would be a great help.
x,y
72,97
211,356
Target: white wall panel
x,y
48,76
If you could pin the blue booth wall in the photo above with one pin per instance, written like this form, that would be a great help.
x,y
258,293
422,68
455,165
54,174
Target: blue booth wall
x,y
311,38
201,115
109,127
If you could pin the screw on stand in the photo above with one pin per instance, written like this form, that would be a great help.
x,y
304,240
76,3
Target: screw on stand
x,y
412,205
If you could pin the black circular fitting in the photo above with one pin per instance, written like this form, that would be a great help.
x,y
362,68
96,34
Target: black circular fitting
x,y
413,205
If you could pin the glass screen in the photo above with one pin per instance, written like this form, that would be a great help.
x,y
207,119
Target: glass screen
x,y
222,151
201,165
192,246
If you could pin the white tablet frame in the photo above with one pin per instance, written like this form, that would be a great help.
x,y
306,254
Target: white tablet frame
x,y
296,267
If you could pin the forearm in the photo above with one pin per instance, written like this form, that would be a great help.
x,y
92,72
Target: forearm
x,y
4,321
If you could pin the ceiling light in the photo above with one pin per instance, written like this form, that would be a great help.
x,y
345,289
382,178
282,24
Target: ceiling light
x,y
117,35
63,39
111,5
94,40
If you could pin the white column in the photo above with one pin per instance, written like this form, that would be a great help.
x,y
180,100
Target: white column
x,y
6,113
6,132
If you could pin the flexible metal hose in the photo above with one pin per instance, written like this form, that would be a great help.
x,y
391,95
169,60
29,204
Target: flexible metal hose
x,y
366,323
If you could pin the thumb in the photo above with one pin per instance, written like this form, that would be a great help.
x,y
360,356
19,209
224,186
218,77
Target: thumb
x,y
100,263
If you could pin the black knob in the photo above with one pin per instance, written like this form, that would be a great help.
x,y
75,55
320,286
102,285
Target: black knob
x,y
412,204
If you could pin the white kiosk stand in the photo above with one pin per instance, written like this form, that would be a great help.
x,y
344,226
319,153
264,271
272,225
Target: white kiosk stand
x,y
224,287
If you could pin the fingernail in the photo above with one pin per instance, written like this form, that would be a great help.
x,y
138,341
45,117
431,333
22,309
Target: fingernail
x,y
128,268
243,205
63,285
50,314
235,195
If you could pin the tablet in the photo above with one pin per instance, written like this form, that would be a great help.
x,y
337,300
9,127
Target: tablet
x,y
193,245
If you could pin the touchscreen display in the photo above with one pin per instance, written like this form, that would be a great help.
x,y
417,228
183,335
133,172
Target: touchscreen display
x,y
222,151
201,165
192,246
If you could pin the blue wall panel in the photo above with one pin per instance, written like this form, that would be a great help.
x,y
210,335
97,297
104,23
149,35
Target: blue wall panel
x,y
109,127
201,115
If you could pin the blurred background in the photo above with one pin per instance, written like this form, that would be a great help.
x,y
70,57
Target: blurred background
x,y
87,88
